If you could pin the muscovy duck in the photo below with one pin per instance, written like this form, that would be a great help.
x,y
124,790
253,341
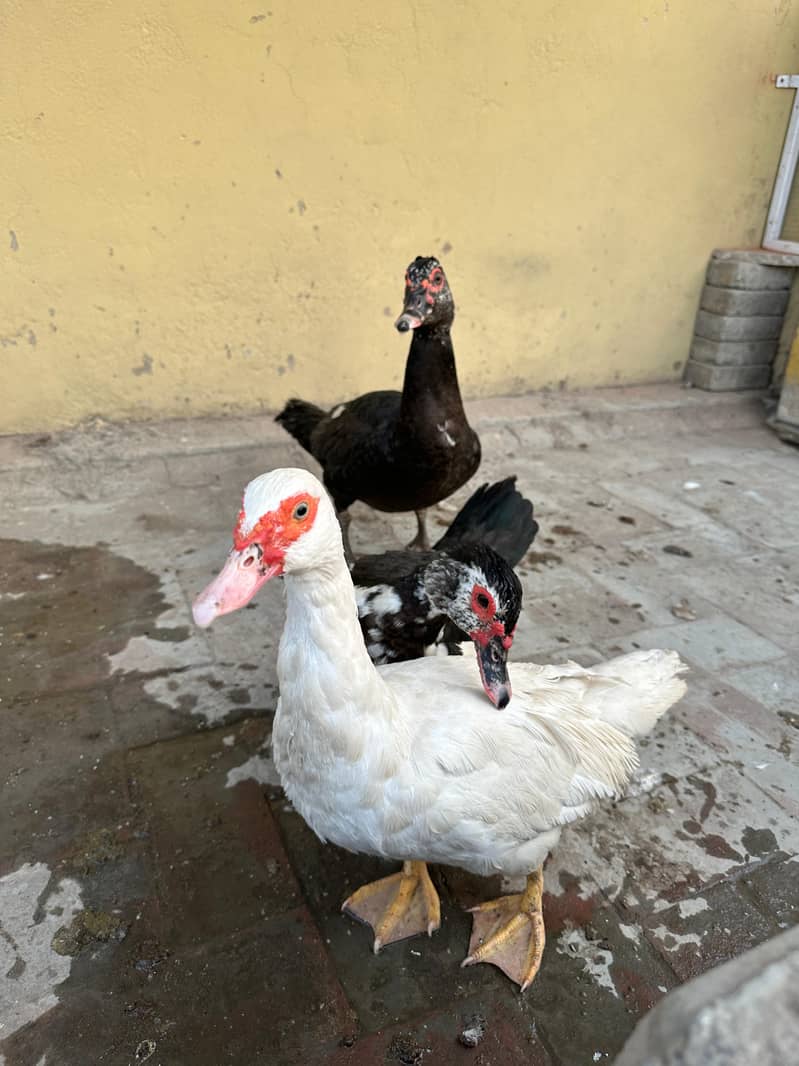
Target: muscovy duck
x,y
398,451
463,589
406,761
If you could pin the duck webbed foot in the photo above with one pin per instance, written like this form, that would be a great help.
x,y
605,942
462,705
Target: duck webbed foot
x,y
401,905
509,933
421,542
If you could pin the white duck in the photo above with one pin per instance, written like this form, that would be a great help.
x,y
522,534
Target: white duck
x,y
409,761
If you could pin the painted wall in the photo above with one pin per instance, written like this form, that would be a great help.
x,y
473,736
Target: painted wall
x,y
209,205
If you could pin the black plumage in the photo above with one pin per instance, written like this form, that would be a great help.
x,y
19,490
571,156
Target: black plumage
x,y
399,451
410,600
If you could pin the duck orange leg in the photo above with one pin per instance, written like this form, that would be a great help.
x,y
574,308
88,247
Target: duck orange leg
x,y
509,932
401,905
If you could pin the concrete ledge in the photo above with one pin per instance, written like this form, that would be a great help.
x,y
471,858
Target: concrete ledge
x,y
723,301
724,378
744,1012
722,328
732,353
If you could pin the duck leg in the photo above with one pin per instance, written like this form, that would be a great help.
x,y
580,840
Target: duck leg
x,y
421,542
401,905
509,932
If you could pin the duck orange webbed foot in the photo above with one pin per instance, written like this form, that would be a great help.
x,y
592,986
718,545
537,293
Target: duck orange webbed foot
x,y
509,933
401,905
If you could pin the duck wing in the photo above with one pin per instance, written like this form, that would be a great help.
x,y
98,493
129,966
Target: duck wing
x,y
486,789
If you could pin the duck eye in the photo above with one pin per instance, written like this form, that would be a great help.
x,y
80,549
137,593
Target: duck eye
x,y
301,510
482,600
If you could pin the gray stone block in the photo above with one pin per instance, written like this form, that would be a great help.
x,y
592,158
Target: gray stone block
x,y
734,328
726,378
744,1012
763,256
742,273
733,353
723,301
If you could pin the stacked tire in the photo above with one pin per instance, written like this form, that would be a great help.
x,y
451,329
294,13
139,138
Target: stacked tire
x,y
738,323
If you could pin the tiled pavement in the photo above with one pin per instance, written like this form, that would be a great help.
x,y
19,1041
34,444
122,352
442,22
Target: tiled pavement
x,y
143,831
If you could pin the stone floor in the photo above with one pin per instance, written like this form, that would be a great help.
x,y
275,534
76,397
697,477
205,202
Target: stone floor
x,y
161,902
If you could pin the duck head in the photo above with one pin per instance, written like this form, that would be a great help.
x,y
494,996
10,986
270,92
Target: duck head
x,y
287,524
481,594
428,299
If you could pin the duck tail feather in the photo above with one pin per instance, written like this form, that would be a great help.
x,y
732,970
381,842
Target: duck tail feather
x,y
496,515
655,677
300,419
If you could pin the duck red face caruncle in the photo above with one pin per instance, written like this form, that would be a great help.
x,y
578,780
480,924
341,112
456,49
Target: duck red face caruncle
x,y
427,299
259,552
492,638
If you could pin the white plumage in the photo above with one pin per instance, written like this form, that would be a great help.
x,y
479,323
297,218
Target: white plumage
x,y
410,761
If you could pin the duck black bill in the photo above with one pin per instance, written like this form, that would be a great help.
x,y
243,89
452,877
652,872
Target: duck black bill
x,y
413,314
492,658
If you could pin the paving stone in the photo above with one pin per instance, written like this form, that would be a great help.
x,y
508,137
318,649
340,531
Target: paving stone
x,y
757,504
774,888
595,981
706,930
725,378
231,468
758,590
268,997
743,271
653,850
60,627
733,725
406,979
507,1038
775,686
677,513
731,353
727,301
735,328
53,747
221,962
714,643
572,618
220,865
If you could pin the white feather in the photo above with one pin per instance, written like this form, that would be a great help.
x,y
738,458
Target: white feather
x,y
411,761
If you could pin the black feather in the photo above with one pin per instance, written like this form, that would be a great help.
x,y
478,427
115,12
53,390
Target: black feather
x,y
301,419
499,514
496,515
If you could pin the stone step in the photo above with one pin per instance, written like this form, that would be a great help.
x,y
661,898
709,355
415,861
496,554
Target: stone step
x,y
722,301
734,328
726,378
732,353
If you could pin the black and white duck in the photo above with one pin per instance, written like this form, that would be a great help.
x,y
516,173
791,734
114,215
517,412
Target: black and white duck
x,y
411,604
398,451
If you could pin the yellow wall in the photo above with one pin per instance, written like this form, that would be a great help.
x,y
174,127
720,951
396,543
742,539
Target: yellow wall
x,y
210,204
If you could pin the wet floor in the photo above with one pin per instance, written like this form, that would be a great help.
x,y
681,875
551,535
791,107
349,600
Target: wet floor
x,y
159,899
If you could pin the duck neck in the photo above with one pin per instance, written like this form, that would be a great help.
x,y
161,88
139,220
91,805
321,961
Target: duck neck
x,y
322,636
430,373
